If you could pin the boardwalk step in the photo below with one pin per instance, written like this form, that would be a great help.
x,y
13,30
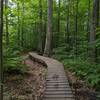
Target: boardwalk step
x,y
58,92
58,81
59,96
58,89
59,99
52,80
57,78
57,85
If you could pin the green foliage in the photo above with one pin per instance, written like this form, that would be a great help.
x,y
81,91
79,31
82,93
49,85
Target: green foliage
x,y
83,69
98,38
62,52
23,27
13,61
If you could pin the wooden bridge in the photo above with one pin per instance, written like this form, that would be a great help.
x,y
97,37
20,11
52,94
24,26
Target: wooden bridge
x,y
57,85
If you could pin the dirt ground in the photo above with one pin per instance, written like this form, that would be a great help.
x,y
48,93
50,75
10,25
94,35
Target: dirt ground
x,y
31,86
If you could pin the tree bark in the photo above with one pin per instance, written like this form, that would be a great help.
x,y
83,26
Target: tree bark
x,y
40,47
88,22
68,22
94,26
48,48
6,18
76,28
59,17
22,26
18,27
1,53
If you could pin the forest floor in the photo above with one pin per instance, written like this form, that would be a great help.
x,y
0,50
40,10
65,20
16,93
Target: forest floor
x,y
30,86
80,88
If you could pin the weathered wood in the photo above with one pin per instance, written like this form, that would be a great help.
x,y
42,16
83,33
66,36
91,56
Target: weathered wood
x,y
57,85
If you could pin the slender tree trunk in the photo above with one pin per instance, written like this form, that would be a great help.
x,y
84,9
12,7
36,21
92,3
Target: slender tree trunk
x,y
94,26
22,34
44,26
44,32
76,27
18,30
40,47
58,21
88,24
97,36
68,22
6,18
48,49
72,23
1,53
59,17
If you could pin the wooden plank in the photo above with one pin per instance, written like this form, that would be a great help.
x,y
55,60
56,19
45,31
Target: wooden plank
x,y
57,85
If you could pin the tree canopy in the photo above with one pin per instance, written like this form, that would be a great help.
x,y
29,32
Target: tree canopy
x,y
68,30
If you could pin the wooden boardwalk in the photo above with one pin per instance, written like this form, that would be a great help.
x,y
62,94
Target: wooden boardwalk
x,y
57,85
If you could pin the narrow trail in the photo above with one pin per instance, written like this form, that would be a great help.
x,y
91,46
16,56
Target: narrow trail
x,y
57,85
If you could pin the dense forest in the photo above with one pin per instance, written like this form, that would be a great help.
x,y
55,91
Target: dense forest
x,y
66,30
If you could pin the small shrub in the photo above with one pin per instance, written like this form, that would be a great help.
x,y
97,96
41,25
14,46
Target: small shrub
x,y
83,69
13,62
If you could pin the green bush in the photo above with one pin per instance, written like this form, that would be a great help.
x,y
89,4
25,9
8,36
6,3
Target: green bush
x,y
83,69
13,61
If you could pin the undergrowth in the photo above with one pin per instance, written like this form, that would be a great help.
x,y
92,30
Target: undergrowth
x,y
13,61
82,68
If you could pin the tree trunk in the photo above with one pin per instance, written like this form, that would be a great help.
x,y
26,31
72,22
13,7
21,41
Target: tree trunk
x,y
44,26
6,18
18,27
22,26
59,18
40,47
68,22
94,26
1,53
76,28
47,50
88,22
